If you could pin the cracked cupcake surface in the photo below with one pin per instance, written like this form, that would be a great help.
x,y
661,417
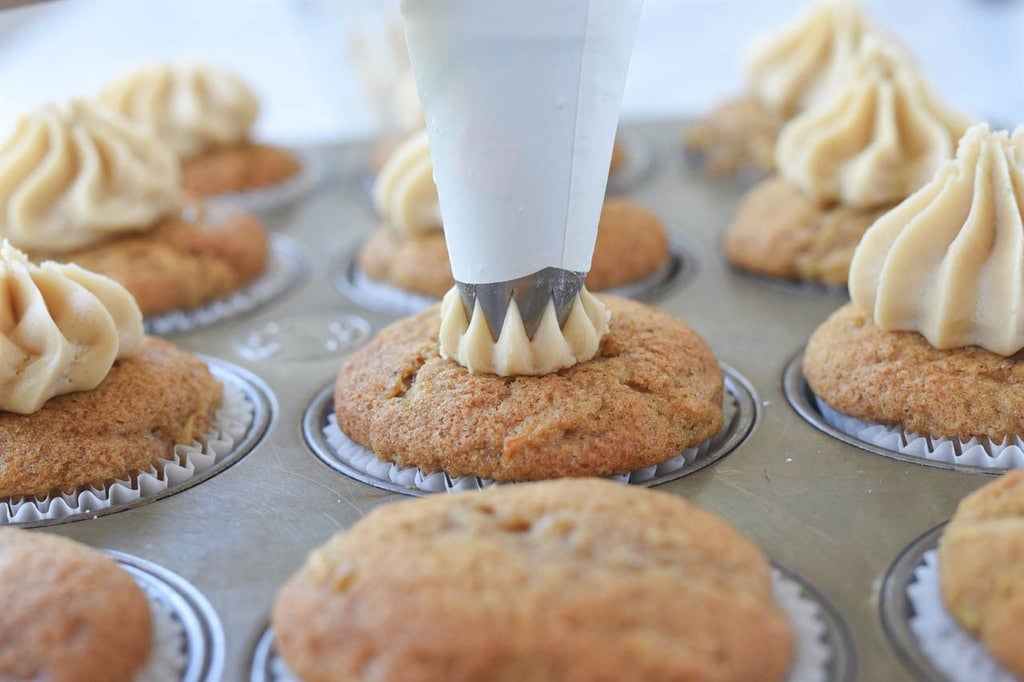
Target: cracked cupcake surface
x,y
653,390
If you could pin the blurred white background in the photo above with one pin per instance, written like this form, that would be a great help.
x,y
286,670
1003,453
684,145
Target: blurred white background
x,y
296,53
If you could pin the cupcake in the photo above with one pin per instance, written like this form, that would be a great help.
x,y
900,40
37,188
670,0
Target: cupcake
x,y
564,580
409,252
930,346
85,397
981,568
70,613
81,184
864,146
205,115
786,73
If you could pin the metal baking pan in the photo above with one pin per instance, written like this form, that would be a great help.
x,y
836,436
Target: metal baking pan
x,y
833,513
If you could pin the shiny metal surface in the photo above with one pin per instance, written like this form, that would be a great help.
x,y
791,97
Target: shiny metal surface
x,y
835,514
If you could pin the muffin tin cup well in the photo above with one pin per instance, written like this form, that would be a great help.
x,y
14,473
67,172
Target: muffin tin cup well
x,y
350,280
929,642
345,456
311,176
286,268
193,624
639,162
824,648
241,423
973,456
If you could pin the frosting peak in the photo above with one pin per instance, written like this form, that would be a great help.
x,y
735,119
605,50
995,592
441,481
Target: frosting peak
x,y
74,174
790,70
405,194
875,137
469,342
61,329
193,107
948,262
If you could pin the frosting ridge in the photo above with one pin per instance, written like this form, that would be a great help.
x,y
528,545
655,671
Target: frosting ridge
x,y
193,107
470,344
404,193
875,137
74,174
61,329
948,262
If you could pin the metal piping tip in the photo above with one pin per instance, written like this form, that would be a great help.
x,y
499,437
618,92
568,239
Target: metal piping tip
x,y
531,294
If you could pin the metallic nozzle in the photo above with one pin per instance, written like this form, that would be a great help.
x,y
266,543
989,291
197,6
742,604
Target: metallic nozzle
x,y
531,294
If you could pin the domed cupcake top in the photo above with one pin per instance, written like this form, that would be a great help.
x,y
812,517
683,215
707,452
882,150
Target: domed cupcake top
x,y
875,137
949,261
790,70
193,107
469,342
76,173
405,194
61,329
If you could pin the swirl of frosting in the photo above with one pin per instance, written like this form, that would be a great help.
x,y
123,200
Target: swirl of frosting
x,y
405,194
193,107
77,173
469,342
790,70
874,138
948,262
61,329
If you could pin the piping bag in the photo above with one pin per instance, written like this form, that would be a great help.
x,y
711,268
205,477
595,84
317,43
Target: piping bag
x,y
521,100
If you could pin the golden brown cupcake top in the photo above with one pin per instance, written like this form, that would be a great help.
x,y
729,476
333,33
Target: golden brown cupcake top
x,y
949,261
790,70
61,329
875,138
193,107
468,341
76,173
405,194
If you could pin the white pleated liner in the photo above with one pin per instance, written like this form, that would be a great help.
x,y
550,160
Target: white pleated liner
x,y
283,269
812,655
231,423
981,452
952,651
168,658
366,462
311,174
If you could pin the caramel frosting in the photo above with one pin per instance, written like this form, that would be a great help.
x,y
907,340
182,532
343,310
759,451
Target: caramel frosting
x,y
469,342
74,174
193,107
61,329
949,261
873,139
405,194
790,70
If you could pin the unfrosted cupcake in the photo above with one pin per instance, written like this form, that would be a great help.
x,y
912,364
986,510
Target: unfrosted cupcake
x,y
869,142
81,184
205,114
930,347
409,250
564,580
786,73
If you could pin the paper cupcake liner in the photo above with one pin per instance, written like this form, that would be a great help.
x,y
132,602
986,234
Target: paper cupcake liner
x,y
285,267
811,661
979,452
949,647
231,423
312,174
168,659
367,463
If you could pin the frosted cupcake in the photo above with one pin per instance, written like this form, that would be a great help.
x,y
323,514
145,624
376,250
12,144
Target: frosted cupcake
x,y
786,73
81,184
410,253
864,146
929,350
205,115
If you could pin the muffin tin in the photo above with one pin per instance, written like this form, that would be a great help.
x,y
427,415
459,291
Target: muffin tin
x,y
834,513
